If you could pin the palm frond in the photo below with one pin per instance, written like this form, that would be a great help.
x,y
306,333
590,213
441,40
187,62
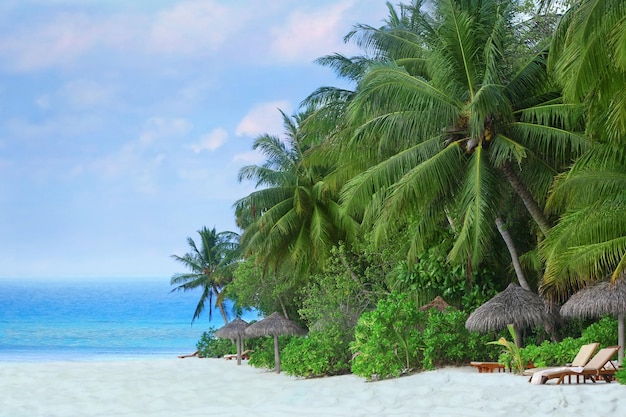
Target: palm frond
x,y
478,204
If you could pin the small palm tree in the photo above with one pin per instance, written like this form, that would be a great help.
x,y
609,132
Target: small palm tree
x,y
211,266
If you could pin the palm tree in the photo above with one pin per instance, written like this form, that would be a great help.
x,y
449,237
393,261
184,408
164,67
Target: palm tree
x,y
588,55
296,218
589,241
211,266
451,135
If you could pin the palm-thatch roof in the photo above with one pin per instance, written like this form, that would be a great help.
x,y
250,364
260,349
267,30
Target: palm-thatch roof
x,y
274,325
438,304
514,305
234,330
600,299
597,300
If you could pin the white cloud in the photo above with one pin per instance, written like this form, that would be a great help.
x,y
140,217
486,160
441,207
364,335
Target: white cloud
x,y
60,41
134,165
159,127
249,158
211,141
263,118
309,35
139,163
193,26
85,93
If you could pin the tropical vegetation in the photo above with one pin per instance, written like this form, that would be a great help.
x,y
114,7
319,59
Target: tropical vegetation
x,y
482,142
210,266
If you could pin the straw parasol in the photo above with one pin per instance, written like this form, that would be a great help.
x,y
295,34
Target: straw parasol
x,y
514,305
274,325
235,330
599,299
438,304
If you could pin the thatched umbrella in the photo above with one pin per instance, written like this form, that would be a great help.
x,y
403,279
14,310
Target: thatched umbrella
x,y
274,325
514,305
235,330
438,304
598,300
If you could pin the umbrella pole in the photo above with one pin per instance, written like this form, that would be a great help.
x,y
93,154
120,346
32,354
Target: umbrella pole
x,y
239,350
620,337
276,354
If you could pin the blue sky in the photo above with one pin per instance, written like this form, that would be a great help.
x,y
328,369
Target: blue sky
x,y
123,124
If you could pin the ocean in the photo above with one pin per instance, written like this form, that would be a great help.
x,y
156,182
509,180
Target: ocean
x,y
98,319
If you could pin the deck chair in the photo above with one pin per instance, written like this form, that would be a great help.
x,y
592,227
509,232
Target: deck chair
x,y
600,366
244,355
582,357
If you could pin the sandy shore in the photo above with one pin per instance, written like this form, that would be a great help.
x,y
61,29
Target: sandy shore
x,y
215,387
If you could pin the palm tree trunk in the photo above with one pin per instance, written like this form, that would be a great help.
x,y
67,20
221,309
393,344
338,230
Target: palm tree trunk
x,y
220,306
506,236
530,203
282,306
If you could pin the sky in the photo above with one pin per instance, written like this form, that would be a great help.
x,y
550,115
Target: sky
x,y
123,124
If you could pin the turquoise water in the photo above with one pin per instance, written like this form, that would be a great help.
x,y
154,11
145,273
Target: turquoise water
x,y
42,320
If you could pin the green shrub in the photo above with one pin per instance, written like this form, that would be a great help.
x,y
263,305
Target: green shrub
x,y
388,341
604,331
318,354
263,356
621,376
210,346
512,352
448,342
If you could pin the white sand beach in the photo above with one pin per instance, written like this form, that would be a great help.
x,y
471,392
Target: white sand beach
x,y
215,387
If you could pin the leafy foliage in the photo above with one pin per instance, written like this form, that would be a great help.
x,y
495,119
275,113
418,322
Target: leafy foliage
x,y
210,346
388,340
448,342
319,354
621,376
548,353
512,350
432,275
604,331
293,217
211,265
397,338
352,282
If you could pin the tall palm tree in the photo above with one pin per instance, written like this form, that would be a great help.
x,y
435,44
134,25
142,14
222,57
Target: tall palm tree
x,y
295,219
589,240
588,56
211,266
450,136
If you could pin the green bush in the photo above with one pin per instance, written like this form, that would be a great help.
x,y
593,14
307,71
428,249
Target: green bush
x,y
388,341
210,346
263,356
604,331
448,342
319,354
621,376
397,338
